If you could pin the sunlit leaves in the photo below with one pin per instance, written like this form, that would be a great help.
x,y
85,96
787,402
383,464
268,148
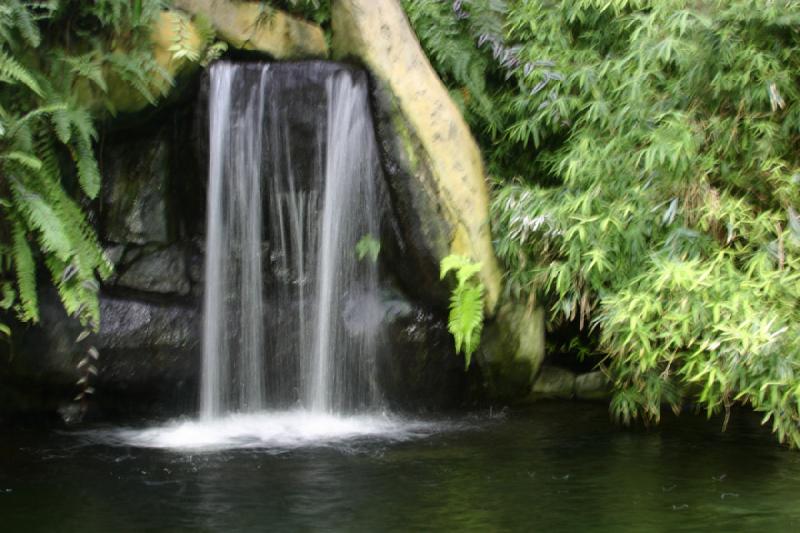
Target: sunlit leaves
x,y
466,304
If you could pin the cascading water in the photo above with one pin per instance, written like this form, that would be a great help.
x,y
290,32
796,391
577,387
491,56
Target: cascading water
x,y
233,331
305,335
292,319
341,372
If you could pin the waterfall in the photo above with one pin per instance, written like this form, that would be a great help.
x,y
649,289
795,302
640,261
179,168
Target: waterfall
x,y
289,307
348,214
233,331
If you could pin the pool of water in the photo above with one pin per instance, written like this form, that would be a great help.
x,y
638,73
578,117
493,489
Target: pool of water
x,y
558,467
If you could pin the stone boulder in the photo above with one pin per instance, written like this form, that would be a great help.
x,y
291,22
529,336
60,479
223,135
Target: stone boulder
x,y
593,385
433,165
512,350
554,382
419,369
261,28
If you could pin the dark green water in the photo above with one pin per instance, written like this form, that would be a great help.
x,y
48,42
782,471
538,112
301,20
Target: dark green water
x,y
560,467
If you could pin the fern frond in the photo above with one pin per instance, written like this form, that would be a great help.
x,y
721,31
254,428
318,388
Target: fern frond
x,y
466,318
62,125
465,321
452,262
88,171
39,214
25,159
88,66
25,270
26,24
13,72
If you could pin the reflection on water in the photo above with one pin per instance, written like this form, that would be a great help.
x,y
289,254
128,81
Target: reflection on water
x,y
557,468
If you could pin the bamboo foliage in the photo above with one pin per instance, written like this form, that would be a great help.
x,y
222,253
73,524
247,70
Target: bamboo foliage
x,y
647,183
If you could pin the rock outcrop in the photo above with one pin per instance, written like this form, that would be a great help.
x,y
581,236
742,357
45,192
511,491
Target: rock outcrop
x,y
148,363
432,162
261,28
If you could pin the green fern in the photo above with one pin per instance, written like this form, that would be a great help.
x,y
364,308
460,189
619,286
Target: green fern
x,y
47,49
25,269
12,71
465,321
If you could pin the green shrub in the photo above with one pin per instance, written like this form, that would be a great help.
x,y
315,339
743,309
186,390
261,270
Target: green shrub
x,y
647,174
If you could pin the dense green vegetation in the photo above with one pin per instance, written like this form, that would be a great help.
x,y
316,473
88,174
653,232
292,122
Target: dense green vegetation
x,y
647,172
645,158
59,60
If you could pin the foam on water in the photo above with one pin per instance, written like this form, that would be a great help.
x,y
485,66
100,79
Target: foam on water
x,y
271,429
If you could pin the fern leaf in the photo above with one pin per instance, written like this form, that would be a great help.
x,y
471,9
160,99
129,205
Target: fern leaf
x,y
452,262
40,215
88,66
466,319
25,269
27,160
27,25
88,172
466,272
62,125
33,114
12,71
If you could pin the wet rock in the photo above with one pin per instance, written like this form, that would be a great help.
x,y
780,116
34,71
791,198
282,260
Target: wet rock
x,y
592,386
419,369
71,413
114,253
554,382
161,271
135,198
129,324
148,362
254,26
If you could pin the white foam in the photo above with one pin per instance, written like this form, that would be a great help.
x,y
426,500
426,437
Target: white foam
x,y
271,429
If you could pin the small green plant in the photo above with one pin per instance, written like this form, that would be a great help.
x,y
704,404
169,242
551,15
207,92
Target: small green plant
x,y
466,304
368,246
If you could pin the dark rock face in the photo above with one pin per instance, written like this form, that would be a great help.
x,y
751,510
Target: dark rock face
x,y
418,246
419,369
149,358
135,199
161,271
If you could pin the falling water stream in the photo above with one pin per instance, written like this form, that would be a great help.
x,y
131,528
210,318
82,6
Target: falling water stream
x,y
233,330
290,323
